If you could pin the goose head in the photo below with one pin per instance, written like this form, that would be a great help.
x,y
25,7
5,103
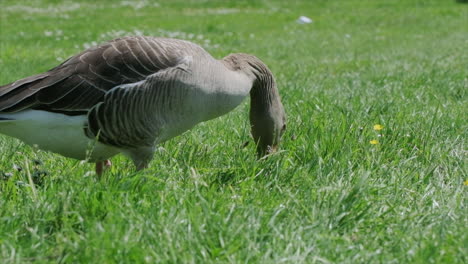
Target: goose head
x,y
268,126
267,115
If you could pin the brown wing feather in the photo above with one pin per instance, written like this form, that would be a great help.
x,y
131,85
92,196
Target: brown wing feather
x,y
26,81
81,82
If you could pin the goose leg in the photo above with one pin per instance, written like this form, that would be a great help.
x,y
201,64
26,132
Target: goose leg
x,y
141,157
101,166
142,166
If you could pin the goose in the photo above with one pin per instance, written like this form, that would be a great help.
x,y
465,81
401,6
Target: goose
x,y
132,93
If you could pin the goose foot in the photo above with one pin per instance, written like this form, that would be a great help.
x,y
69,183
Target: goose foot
x,y
102,166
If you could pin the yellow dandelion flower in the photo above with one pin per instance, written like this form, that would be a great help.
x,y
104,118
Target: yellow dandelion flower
x,y
374,142
465,183
378,127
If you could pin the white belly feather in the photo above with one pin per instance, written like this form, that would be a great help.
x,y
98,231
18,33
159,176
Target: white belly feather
x,y
55,132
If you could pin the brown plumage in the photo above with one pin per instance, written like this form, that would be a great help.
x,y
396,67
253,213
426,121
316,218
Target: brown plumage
x,y
80,82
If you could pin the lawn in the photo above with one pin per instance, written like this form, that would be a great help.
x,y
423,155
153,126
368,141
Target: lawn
x,y
329,195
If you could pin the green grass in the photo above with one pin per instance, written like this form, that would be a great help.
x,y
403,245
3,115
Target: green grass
x,y
328,196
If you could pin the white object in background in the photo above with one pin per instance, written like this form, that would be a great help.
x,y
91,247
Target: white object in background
x,y
304,20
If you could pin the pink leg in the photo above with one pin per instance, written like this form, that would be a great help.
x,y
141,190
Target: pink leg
x,y
107,164
102,166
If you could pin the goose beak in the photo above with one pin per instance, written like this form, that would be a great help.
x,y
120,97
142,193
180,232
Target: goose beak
x,y
262,153
272,149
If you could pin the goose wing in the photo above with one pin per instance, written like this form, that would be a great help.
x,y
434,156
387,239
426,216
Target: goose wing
x,y
81,82
133,116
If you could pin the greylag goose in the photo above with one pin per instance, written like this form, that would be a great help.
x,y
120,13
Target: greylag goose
x,y
132,93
